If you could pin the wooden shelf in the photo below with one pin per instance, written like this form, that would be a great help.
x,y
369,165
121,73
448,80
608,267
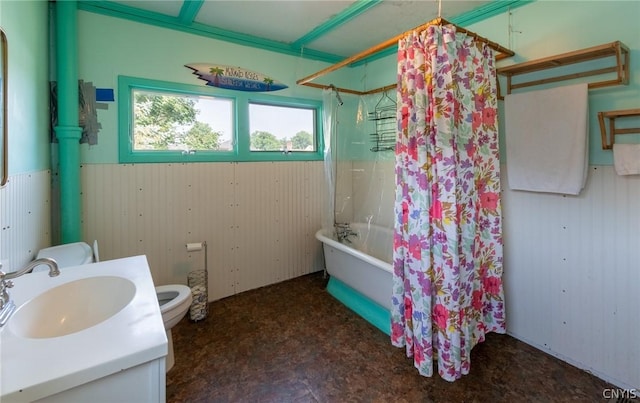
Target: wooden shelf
x,y
607,141
616,50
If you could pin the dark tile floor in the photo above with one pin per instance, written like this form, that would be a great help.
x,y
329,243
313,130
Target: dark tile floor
x,y
293,342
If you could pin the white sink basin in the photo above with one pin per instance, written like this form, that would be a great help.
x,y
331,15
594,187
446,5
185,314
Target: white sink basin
x,y
72,307
80,330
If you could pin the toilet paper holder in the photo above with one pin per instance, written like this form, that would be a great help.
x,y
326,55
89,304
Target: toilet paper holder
x,y
198,281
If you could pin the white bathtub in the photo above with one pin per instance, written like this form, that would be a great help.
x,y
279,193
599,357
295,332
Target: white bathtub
x,y
364,265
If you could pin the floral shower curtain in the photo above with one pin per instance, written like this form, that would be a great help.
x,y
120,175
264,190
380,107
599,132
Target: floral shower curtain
x,y
447,252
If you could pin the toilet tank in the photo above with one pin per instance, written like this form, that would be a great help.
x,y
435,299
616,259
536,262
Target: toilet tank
x,y
70,254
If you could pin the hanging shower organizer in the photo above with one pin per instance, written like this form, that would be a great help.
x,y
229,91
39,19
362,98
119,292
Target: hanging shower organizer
x,y
384,116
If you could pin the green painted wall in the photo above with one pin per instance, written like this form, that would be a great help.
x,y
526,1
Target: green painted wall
x,y
27,28
109,47
546,28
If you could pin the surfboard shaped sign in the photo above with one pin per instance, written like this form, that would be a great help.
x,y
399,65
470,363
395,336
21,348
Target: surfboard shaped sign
x,y
234,78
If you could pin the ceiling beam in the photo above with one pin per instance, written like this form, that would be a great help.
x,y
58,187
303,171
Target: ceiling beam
x,y
346,15
118,10
488,10
185,23
189,10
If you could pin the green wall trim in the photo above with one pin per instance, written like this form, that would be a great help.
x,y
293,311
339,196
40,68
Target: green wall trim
x,y
346,15
113,9
189,10
363,306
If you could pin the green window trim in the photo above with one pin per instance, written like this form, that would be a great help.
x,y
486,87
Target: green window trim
x,y
241,135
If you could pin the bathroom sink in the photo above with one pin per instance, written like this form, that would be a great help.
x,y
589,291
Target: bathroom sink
x,y
72,307
98,324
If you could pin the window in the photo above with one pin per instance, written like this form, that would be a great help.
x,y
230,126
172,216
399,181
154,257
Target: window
x,y
282,128
170,122
166,121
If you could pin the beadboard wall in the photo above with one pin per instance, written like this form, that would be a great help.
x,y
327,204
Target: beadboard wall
x,y
572,273
258,219
25,204
571,266
572,278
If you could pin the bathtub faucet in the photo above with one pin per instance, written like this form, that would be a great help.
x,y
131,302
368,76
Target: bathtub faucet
x,y
343,232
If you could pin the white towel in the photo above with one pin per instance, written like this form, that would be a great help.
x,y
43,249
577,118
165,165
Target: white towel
x,y
626,158
547,138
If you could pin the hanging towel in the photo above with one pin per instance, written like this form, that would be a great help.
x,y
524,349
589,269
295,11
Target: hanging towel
x,y
547,138
626,159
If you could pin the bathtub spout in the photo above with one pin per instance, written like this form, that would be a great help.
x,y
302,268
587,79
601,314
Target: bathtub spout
x,y
343,232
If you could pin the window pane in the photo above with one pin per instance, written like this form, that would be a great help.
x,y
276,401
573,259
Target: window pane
x,y
280,128
165,121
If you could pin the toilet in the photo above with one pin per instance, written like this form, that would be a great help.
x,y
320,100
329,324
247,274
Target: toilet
x,y
70,254
174,299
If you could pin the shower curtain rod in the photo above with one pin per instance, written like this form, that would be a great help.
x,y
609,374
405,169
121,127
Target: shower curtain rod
x,y
503,53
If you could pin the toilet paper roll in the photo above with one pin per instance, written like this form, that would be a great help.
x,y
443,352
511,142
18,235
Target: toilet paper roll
x,y
199,304
197,277
192,247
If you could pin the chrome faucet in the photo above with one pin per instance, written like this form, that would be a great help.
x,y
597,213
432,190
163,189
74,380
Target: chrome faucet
x,y
52,264
343,232
7,306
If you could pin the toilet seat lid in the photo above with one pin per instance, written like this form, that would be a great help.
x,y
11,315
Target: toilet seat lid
x,y
70,254
183,293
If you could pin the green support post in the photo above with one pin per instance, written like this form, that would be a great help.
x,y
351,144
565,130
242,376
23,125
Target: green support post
x,y
68,131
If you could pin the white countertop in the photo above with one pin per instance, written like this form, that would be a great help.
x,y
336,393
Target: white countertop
x,y
31,369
